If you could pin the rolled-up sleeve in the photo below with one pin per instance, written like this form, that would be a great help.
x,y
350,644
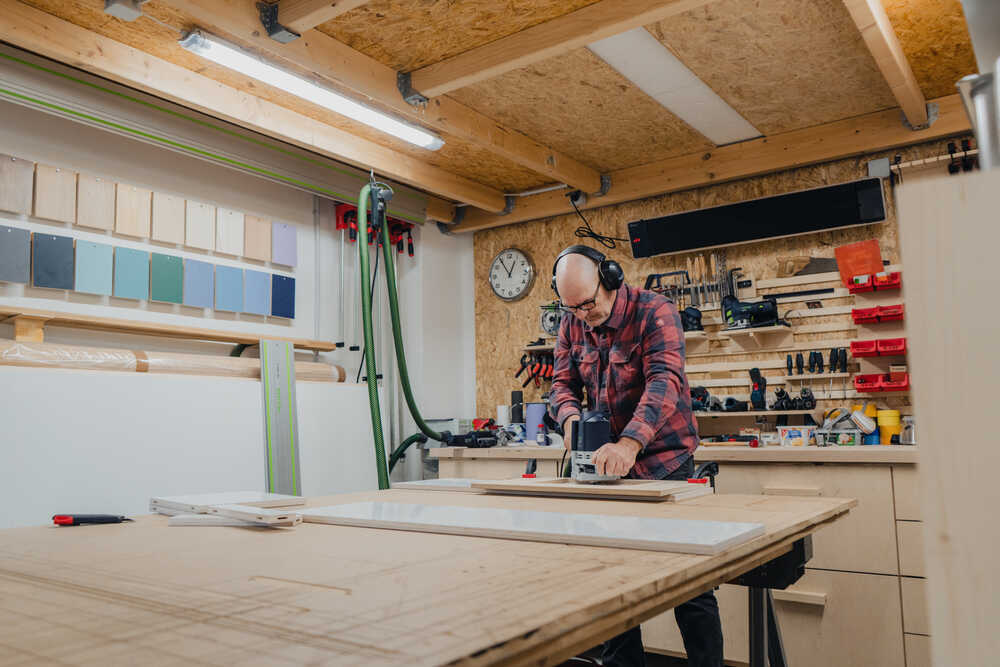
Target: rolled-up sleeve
x,y
567,385
662,349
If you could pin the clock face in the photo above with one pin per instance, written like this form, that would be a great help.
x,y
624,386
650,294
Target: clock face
x,y
511,274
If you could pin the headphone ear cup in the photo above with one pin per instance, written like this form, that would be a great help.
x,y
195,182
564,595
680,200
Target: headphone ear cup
x,y
612,275
554,288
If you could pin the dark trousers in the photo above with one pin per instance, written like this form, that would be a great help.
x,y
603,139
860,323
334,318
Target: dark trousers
x,y
698,620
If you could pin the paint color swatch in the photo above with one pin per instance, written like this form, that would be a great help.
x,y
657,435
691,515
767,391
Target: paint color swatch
x,y
166,278
52,261
199,284
94,267
15,255
283,296
284,244
131,274
228,289
257,292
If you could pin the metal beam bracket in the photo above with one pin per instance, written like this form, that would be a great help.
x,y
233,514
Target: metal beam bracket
x,y
410,96
511,201
269,19
459,215
932,115
445,228
605,185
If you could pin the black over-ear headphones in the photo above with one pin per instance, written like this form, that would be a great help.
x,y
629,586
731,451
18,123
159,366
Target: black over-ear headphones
x,y
608,270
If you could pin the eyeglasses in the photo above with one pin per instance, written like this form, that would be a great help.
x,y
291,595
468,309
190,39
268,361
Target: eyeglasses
x,y
584,307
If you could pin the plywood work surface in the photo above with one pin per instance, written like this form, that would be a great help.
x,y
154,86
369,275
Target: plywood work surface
x,y
146,593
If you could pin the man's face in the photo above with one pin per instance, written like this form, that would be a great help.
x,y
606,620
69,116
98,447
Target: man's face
x,y
587,301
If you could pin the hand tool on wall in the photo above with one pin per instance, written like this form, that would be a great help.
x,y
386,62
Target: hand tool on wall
x,y
758,389
788,362
799,363
834,357
692,276
525,362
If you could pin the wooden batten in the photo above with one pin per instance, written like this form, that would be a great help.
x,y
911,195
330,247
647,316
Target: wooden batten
x,y
302,15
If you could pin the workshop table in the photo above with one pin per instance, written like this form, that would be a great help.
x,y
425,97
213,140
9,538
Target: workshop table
x,y
145,593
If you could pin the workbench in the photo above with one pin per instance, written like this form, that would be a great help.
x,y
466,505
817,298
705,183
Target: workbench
x,y
496,462
145,593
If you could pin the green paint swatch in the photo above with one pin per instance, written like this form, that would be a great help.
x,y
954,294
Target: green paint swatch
x,y
166,278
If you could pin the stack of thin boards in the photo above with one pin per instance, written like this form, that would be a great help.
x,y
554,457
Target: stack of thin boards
x,y
236,508
624,489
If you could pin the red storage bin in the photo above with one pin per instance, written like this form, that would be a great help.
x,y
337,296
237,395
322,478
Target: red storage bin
x,y
865,315
884,281
888,347
890,313
864,348
868,383
900,385
861,284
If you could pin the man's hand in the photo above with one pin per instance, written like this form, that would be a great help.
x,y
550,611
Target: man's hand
x,y
616,458
568,430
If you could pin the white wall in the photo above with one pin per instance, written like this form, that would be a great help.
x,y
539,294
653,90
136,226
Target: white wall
x,y
106,441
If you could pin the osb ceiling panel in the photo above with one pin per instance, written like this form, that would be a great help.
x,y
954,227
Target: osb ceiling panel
x,y
935,39
579,105
783,64
409,34
457,155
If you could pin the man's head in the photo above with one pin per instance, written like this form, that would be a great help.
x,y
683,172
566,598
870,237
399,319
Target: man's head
x,y
577,279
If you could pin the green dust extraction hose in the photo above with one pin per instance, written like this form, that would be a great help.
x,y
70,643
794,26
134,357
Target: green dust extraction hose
x,y
397,453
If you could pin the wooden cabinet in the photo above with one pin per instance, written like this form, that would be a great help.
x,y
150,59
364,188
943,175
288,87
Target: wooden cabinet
x,y
492,468
911,548
914,594
918,651
906,492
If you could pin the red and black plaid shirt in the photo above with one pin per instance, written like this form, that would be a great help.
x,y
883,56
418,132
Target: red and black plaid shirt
x,y
633,369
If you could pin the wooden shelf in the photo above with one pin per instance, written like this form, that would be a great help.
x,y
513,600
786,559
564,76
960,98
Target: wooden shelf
x,y
816,376
51,318
755,413
857,454
539,348
752,331
688,335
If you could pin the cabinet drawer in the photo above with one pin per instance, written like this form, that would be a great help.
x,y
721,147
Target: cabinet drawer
x,y
918,651
864,540
911,548
493,468
915,606
906,492
827,619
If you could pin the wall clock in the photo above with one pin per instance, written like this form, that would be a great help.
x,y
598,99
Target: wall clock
x,y
511,274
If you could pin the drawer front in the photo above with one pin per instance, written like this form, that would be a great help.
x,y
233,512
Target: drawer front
x,y
911,548
827,619
864,540
915,606
918,651
492,468
906,491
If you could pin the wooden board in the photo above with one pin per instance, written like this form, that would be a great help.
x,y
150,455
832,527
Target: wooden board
x,y
674,535
133,581
914,594
624,489
460,484
95,202
903,454
911,548
199,225
229,232
55,193
168,218
259,515
16,184
133,207
257,238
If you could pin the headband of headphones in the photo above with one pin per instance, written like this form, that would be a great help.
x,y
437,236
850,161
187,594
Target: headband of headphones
x,y
608,270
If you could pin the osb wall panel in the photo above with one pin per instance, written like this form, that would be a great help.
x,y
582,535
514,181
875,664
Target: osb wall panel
x,y
578,104
502,329
935,39
783,64
409,34
457,155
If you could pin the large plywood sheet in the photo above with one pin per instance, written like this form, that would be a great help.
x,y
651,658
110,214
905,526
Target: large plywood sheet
x,y
578,104
168,218
55,193
16,181
782,64
623,489
653,534
133,209
95,202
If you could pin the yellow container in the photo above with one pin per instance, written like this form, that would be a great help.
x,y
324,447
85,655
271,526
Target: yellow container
x,y
888,425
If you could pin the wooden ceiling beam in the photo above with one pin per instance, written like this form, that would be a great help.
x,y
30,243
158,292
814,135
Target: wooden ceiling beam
x,y
845,138
326,58
545,40
879,36
302,15
34,30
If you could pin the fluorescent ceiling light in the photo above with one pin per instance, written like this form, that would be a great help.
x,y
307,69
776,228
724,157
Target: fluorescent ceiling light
x,y
236,59
647,63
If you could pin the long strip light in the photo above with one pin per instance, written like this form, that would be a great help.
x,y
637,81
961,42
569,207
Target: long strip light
x,y
234,58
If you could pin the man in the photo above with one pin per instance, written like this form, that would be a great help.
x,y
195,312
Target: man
x,y
625,346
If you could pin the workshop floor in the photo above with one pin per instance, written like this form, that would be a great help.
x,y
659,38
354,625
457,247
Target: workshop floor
x,y
652,660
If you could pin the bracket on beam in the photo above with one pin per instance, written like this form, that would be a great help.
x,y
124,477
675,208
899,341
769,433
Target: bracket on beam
x,y
459,215
410,96
269,19
510,200
445,229
932,115
605,185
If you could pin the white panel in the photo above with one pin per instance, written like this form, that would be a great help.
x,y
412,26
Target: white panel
x,y
200,502
229,232
207,520
199,225
643,60
630,532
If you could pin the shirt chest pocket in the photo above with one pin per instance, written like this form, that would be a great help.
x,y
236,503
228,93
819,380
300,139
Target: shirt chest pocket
x,y
626,367
588,365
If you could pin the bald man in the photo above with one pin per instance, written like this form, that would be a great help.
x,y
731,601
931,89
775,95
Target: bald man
x,y
625,346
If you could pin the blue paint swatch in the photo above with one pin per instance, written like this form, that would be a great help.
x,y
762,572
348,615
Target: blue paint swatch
x,y
52,264
257,293
283,296
228,289
284,244
15,255
131,274
94,267
199,284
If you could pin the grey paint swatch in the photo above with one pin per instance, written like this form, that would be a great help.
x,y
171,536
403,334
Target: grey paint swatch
x,y
52,261
94,267
15,255
284,244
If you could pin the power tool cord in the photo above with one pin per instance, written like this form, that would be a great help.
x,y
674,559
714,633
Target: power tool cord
x,y
585,231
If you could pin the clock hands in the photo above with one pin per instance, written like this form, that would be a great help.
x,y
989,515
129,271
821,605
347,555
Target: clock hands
x,y
504,266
